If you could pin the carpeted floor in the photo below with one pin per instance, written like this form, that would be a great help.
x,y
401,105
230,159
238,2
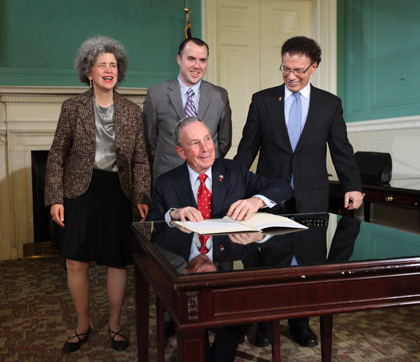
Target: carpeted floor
x,y
37,316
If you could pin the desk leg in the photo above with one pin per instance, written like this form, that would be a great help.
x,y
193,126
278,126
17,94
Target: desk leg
x,y
276,350
326,324
160,331
191,345
142,315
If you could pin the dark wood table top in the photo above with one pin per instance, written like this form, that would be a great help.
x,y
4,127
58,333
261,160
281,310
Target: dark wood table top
x,y
337,265
329,239
398,181
403,191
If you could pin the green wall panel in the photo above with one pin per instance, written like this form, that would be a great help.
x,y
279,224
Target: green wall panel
x,y
39,39
384,243
379,51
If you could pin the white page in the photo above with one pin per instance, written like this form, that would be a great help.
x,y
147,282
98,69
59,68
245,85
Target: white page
x,y
216,224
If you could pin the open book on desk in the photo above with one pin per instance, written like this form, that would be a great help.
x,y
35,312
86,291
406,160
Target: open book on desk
x,y
259,222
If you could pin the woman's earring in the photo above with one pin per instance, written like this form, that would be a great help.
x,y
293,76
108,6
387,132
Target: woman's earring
x,y
90,83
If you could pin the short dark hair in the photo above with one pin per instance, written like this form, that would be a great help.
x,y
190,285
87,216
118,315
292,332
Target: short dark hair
x,y
92,48
196,41
181,124
302,45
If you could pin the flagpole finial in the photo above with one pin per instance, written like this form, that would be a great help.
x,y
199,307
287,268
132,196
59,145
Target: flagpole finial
x,y
187,12
188,26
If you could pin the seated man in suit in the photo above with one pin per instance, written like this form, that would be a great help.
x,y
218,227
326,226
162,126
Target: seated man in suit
x,y
203,188
235,191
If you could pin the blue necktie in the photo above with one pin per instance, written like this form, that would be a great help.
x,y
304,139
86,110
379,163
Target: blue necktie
x,y
295,119
293,127
189,106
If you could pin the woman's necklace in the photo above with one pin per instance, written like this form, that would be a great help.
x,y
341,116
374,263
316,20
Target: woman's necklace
x,y
104,113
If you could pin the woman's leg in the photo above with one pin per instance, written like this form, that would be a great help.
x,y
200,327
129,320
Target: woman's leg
x,y
116,284
78,281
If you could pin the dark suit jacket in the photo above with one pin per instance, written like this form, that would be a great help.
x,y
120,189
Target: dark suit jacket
x,y
307,246
72,155
266,131
163,109
231,182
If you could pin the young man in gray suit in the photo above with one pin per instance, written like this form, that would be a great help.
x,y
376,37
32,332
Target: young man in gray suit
x,y
168,102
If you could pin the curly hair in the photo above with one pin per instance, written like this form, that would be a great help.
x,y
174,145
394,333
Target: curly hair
x,y
92,48
302,45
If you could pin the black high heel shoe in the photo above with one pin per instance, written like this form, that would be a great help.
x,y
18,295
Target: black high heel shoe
x,y
73,347
118,345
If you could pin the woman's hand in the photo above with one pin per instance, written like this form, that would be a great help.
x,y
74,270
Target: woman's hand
x,y
57,213
143,210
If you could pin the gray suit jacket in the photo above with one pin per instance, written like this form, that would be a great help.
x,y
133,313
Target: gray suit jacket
x,y
163,109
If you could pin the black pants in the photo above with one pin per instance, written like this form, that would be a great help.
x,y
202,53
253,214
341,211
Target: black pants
x,y
225,343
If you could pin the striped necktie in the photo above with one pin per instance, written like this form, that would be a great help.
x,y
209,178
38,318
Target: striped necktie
x,y
189,105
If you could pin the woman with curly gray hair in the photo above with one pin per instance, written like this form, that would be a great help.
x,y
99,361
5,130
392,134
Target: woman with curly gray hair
x,y
97,169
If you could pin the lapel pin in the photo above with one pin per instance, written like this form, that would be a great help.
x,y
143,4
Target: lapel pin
x,y
280,98
222,247
220,178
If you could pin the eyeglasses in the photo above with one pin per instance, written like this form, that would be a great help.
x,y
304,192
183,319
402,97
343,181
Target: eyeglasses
x,y
297,72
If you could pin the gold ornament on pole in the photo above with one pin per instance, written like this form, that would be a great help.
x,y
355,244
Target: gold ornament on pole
x,y
188,26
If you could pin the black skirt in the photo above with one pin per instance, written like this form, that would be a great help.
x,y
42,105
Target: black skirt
x,y
97,224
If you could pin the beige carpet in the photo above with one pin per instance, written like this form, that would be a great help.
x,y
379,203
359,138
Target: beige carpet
x,y
37,316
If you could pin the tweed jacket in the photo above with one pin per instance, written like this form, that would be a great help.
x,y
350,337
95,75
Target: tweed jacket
x,y
72,155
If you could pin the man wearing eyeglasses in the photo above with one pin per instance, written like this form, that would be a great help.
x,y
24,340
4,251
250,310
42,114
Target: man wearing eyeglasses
x,y
290,126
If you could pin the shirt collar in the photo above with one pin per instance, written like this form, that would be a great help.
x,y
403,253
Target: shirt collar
x,y
194,175
306,91
184,88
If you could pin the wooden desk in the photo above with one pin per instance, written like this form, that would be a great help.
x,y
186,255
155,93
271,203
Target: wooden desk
x,y
401,192
336,274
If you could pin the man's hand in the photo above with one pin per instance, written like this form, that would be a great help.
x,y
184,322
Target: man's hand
x,y
245,239
242,210
184,230
190,213
353,200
